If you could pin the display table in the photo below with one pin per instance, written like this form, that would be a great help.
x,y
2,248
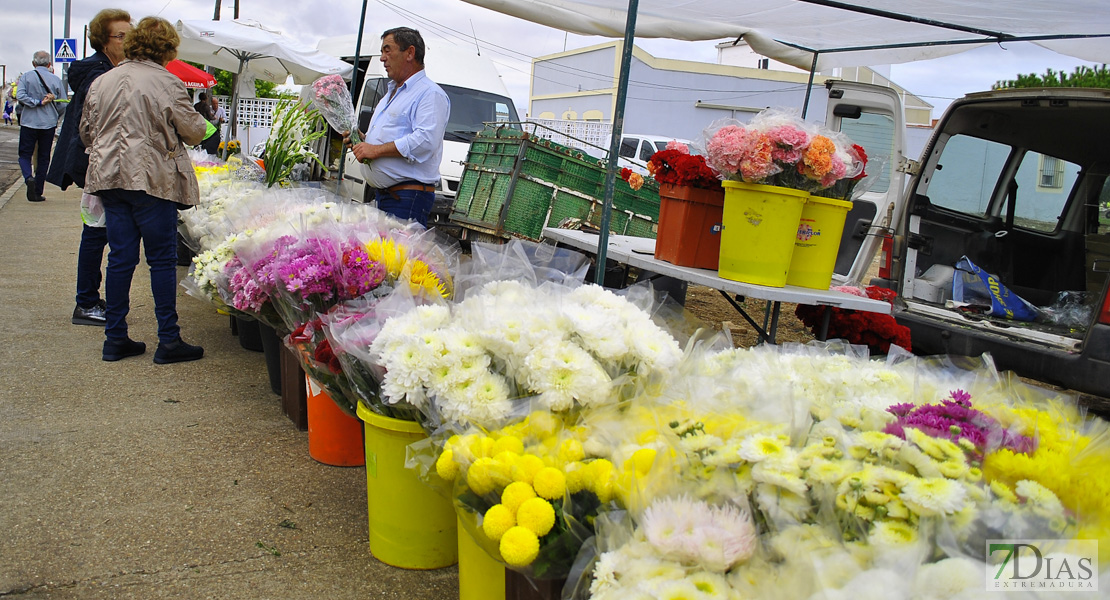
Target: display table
x,y
639,252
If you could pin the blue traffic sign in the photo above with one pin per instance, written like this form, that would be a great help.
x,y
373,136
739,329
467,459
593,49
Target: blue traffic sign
x,y
65,50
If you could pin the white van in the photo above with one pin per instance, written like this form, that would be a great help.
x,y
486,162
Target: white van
x,y
636,149
477,93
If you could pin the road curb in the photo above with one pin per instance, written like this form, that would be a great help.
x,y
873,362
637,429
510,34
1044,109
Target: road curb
x,y
9,193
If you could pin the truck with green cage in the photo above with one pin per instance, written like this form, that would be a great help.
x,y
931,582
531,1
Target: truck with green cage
x,y
516,182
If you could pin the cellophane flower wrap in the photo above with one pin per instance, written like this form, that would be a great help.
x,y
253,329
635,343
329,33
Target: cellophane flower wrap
x,y
332,98
417,268
777,148
821,486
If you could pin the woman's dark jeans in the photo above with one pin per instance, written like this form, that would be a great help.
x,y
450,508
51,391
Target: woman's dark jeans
x,y
90,259
134,216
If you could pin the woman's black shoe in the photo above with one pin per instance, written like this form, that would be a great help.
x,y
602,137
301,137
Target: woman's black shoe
x,y
177,351
114,351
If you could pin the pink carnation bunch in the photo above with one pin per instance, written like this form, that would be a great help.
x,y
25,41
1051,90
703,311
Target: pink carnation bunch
x,y
734,150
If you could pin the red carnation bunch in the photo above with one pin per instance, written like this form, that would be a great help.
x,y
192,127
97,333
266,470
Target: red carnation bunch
x,y
876,331
679,168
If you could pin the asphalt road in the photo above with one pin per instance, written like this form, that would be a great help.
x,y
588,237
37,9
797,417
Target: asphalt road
x,y
9,156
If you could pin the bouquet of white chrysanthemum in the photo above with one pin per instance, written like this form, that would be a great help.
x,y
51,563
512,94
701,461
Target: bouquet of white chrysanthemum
x,y
508,340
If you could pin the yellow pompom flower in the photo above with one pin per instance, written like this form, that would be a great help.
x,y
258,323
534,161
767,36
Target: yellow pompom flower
x,y
507,458
497,521
526,468
643,459
508,443
537,515
482,475
600,479
550,483
570,450
515,494
446,466
576,473
542,423
519,546
486,444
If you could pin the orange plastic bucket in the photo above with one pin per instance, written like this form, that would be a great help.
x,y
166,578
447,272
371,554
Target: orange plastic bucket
x,y
689,226
334,438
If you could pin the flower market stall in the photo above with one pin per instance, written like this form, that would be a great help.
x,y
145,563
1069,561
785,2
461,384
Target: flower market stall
x,y
605,444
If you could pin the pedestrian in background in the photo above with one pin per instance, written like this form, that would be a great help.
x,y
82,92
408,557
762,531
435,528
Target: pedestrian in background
x,y
70,163
211,141
36,92
137,121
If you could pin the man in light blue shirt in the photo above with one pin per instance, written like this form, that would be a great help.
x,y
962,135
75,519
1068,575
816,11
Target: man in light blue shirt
x,y
405,140
36,91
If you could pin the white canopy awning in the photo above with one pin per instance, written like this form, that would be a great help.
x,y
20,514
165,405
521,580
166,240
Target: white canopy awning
x,y
843,33
269,55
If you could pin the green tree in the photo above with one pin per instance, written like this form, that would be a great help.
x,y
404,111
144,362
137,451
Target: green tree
x,y
262,89
1084,76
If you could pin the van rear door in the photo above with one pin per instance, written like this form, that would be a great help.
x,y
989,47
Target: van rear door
x,y
872,117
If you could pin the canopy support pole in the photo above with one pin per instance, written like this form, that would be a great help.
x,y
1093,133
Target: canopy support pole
x,y
809,86
233,129
615,140
354,94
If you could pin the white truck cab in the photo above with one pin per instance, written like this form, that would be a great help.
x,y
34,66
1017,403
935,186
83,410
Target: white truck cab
x,y
477,94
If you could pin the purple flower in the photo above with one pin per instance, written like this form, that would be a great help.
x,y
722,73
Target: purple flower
x,y
954,420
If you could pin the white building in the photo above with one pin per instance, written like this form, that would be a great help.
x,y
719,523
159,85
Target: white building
x,y
679,98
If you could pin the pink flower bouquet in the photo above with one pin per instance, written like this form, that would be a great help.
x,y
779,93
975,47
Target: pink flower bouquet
x,y
332,98
778,148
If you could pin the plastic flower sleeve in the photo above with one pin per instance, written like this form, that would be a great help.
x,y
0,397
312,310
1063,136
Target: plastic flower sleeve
x,y
351,329
520,260
329,94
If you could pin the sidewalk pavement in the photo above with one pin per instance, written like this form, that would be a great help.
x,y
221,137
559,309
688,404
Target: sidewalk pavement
x,y
136,480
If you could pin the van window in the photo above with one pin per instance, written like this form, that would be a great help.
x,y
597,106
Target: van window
x,y
966,174
1043,186
875,132
469,109
646,150
372,92
629,147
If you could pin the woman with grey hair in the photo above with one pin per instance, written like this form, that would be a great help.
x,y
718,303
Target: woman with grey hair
x,y
136,123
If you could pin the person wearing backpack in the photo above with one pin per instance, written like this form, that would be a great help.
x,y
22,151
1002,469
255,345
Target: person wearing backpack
x,y
36,92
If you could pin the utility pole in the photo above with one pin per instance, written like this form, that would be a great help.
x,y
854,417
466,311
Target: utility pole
x,y
65,34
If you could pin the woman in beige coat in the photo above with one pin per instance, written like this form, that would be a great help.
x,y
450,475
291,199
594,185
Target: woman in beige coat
x,y
136,122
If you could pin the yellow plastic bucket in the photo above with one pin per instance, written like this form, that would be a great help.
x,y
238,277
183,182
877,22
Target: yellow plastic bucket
x,y
480,577
411,526
760,223
817,242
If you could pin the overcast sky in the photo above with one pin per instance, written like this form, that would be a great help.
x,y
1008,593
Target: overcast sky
x,y
25,27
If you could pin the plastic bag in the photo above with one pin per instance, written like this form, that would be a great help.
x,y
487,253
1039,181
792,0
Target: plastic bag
x,y
92,210
1071,309
975,286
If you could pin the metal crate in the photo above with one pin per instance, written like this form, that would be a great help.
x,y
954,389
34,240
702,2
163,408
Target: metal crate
x,y
515,183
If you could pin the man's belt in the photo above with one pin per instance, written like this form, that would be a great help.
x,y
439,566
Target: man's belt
x,y
412,185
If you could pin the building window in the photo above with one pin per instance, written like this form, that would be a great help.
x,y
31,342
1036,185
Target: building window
x,y
1051,173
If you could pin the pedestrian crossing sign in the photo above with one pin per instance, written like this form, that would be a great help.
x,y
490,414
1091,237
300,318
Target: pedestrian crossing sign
x,y
64,50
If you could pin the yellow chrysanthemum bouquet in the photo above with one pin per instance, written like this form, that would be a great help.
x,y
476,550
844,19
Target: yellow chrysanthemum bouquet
x,y
530,492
